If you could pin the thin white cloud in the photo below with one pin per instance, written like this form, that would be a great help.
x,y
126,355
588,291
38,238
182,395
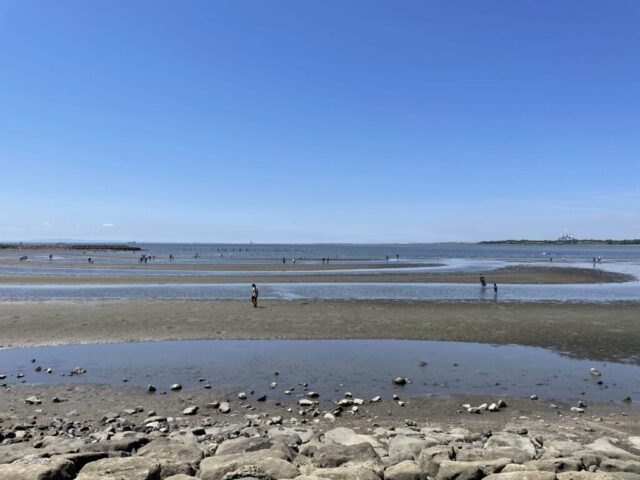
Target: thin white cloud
x,y
47,224
108,225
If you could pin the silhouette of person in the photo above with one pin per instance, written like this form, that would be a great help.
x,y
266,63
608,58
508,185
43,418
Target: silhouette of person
x,y
254,295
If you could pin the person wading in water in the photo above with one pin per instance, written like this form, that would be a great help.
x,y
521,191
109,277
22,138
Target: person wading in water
x,y
254,295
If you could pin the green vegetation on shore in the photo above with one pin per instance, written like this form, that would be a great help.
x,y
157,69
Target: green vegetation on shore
x,y
635,241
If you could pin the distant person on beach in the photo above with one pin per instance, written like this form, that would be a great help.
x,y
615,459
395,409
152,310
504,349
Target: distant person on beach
x,y
483,282
50,257
171,258
254,295
495,288
284,260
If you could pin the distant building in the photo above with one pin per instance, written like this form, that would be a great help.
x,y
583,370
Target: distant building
x,y
566,237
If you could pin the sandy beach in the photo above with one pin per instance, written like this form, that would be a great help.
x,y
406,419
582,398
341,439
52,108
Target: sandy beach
x,y
513,275
601,332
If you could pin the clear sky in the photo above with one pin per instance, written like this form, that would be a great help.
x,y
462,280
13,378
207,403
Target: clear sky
x,y
319,121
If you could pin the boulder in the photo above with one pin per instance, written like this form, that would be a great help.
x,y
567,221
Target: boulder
x,y
347,436
451,470
292,435
524,475
173,456
634,442
404,447
117,468
517,447
556,465
406,470
588,476
272,462
431,458
360,455
38,468
80,459
607,448
345,473
612,465
120,442
254,444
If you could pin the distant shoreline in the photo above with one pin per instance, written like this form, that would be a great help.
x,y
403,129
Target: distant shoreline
x,y
70,246
631,242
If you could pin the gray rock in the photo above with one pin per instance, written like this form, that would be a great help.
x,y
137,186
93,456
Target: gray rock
x,y
253,444
119,442
450,470
304,435
518,448
592,476
38,468
80,459
431,458
607,448
556,465
192,410
248,473
359,455
345,473
523,475
403,447
272,462
224,407
131,468
173,456
612,465
406,470
347,436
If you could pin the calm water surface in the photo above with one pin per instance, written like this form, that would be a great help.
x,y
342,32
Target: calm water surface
x,y
331,367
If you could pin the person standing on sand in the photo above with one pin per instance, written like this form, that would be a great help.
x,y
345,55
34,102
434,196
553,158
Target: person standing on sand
x,y
254,295
495,288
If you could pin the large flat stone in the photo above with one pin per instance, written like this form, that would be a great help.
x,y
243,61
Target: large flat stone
x,y
129,468
345,473
173,456
406,470
272,462
452,470
359,455
524,475
347,436
405,447
38,469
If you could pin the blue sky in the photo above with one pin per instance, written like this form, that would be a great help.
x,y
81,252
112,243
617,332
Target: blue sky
x,y
323,121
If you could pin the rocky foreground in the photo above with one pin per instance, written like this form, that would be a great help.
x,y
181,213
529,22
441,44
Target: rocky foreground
x,y
219,441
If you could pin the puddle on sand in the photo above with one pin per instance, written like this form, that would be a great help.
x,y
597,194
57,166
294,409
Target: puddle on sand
x,y
330,367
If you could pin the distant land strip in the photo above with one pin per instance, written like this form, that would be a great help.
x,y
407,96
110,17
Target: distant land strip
x,y
635,241
71,246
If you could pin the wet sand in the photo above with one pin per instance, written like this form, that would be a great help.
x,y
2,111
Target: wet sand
x,y
237,267
508,275
607,332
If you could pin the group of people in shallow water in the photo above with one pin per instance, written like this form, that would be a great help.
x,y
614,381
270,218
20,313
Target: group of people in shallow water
x,y
483,283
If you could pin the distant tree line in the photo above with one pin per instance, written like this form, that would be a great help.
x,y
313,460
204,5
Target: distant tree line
x,y
635,241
